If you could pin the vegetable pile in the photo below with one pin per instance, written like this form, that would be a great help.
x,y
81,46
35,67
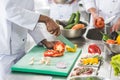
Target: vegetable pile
x,y
113,38
93,49
74,22
82,71
115,62
90,60
58,50
69,49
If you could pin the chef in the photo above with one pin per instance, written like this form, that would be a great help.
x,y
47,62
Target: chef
x,y
17,18
104,9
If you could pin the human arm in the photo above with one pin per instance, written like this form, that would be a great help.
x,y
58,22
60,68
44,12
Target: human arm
x,y
91,7
98,21
52,27
116,25
18,13
39,38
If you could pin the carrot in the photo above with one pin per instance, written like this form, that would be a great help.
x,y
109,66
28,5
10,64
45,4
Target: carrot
x,y
78,26
110,41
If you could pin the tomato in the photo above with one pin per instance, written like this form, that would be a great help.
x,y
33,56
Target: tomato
x,y
59,46
52,53
93,48
99,23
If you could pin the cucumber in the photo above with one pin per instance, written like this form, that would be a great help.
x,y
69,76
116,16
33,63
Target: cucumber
x,y
77,18
69,26
71,20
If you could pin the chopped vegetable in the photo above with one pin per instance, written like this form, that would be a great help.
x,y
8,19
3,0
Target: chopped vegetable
x,y
89,61
69,49
31,62
78,26
59,46
52,53
115,62
110,41
118,39
58,50
61,65
105,36
82,71
93,49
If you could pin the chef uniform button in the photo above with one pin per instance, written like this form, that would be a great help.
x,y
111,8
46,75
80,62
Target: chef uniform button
x,y
23,40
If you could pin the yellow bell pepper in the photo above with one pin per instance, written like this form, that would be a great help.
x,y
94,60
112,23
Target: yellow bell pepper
x,y
69,49
89,61
118,39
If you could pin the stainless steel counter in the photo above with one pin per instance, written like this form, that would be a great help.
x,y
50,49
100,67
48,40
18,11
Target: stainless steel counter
x,y
105,69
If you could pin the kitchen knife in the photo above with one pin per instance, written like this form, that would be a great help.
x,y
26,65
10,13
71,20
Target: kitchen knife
x,y
109,19
65,40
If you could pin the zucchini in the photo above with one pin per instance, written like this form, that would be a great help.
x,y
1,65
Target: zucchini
x,y
77,18
71,20
69,26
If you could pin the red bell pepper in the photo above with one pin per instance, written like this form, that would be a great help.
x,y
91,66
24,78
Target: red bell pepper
x,y
52,53
59,46
58,50
93,49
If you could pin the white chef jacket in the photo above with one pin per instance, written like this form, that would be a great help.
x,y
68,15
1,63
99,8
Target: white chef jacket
x,y
17,18
105,8
63,11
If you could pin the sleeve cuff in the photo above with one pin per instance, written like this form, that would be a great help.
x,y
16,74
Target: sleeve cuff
x,y
37,34
89,4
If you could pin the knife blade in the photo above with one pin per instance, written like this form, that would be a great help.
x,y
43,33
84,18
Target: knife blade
x,y
109,19
65,40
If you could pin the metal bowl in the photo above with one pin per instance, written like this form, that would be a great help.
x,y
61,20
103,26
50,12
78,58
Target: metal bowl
x,y
69,33
115,48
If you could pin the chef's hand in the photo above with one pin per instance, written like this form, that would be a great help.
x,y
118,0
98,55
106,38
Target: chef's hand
x,y
98,21
116,26
52,27
48,44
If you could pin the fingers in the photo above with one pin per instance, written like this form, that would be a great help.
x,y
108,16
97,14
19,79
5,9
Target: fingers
x,y
53,28
114,28
55,32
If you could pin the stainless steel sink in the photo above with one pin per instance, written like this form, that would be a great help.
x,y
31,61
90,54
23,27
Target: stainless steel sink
x,y
94,34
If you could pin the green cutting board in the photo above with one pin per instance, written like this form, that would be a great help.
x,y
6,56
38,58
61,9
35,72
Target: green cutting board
x,y
37,52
